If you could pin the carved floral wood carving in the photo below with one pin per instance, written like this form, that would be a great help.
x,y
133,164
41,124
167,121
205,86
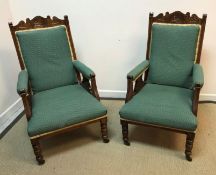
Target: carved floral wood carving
x,y
39,22
177,18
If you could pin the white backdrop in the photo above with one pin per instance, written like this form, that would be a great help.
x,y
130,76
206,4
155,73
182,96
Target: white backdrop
x,y
110,35
9,67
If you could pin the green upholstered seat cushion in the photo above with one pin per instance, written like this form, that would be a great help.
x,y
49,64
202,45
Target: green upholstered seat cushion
x,y
47,57
166,106
61,107
173,50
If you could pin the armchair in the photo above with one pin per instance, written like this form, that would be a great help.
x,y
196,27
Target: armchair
x,y
59,92
167,97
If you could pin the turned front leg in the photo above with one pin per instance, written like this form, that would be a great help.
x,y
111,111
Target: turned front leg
x,y
37,151
104,131
125,132
189,146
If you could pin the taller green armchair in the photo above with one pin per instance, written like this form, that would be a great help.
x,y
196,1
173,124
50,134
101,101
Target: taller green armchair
x,y
167,96
59,92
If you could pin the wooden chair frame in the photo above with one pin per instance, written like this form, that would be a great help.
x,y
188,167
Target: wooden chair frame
x,y
39,22
133,87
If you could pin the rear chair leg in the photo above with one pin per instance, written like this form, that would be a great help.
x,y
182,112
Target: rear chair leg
x,y
37,151
104,132
125,132
189,146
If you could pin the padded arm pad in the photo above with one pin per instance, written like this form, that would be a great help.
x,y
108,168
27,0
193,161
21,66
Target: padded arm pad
x,y
198,77
138,70
82,68
22,84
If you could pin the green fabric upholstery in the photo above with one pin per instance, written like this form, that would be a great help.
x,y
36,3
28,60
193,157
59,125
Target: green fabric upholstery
x,y
134,73
61,107
166,106
173,50
86,71
198,77
47,57
22,83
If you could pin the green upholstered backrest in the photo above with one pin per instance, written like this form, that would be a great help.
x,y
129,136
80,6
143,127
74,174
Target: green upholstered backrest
x,y
172,54
47,57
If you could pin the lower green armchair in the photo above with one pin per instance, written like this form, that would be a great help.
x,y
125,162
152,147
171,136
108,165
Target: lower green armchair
x,y
59,92
167,96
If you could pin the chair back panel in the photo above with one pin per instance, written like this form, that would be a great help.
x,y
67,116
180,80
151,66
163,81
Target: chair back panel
x,y
47,57
173,51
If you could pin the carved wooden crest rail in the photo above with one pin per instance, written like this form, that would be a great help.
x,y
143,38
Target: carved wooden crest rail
x,y
177,18
39,22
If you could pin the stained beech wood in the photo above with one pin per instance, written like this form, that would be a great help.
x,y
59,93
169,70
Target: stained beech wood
x,y
133,88
40,22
